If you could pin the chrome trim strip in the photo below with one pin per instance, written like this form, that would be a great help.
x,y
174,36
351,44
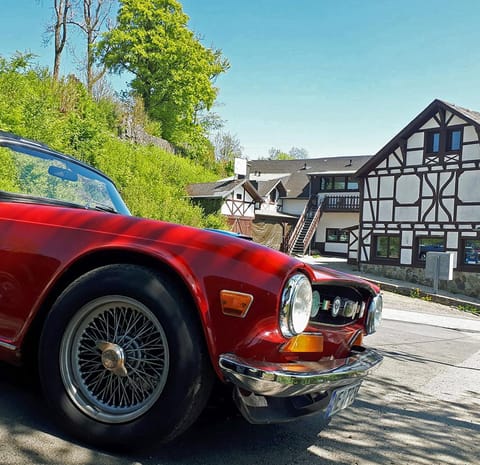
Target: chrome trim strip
x,y
8,346
298,378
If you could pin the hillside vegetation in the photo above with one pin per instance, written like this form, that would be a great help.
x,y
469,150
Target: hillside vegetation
x,y
63,115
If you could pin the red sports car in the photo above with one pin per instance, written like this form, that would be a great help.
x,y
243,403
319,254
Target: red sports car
x,y
131,321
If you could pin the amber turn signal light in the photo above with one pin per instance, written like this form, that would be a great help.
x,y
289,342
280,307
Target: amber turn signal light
x,y
304,342
235,303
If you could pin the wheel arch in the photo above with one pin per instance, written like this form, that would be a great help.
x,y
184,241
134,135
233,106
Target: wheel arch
x,y
87,263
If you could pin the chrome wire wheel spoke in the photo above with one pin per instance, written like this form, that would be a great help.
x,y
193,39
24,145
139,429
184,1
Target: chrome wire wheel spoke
x,y
114,359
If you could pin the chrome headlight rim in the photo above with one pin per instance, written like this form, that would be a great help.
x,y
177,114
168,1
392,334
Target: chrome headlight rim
x,y
374,314
296,305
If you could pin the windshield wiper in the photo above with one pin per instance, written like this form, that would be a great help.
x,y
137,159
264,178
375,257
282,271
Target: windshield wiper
x,y
102,208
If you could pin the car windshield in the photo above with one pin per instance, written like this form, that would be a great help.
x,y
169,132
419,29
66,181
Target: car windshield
x,y
27,172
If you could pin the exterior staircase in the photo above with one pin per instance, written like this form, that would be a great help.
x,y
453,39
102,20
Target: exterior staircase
x,y
302,234
298,247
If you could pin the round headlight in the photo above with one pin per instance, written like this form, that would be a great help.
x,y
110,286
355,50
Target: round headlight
x,y
296,305
374,315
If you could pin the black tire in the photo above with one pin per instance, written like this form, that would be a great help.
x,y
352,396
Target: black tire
x,y
148,380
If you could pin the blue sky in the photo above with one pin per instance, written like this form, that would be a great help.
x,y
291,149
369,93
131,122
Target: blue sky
x,y
336,78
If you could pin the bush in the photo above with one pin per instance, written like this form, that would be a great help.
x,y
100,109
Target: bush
x,y
62,115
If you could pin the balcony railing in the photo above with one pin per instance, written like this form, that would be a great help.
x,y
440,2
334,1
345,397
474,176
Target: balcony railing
x,y
344,203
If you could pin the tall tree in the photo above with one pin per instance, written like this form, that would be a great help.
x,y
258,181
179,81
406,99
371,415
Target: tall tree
x,y
277,154
62,10
227,147
92,17
298,153
172,71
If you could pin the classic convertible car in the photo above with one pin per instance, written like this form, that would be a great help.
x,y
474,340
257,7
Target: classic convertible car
x,y
130,321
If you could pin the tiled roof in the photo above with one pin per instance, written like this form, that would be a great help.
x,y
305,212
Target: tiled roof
x,y
295,173
308,165
265,187
221,189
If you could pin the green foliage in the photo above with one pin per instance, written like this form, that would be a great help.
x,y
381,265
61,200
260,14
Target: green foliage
x,y
470,308
295,153
63,115
173,72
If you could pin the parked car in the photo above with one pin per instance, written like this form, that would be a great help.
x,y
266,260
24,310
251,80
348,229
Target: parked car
x,y
131,321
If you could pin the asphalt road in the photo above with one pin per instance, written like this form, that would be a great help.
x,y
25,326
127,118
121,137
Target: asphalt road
x,y
422,406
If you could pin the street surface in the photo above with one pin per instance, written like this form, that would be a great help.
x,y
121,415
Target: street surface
x,y
422,406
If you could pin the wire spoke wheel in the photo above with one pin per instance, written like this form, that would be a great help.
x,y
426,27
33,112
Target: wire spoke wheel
x,y
114,359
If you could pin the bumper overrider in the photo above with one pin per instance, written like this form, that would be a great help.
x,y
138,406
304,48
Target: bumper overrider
x,y
275,392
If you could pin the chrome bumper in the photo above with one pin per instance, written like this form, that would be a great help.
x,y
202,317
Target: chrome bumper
x,y
298,378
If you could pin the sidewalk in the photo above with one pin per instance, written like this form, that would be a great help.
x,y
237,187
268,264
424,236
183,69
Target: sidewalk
x,y
442,321
396,286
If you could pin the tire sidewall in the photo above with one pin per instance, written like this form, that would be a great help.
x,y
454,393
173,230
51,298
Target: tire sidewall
x,y
186,358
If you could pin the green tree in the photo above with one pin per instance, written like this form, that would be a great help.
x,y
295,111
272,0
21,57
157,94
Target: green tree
x,y
295,153
299,153
277,154
227,148
172,71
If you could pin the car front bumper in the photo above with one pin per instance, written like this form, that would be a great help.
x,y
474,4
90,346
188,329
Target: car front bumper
x,y
273,392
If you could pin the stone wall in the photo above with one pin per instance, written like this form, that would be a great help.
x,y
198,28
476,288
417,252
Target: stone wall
x,y
462,283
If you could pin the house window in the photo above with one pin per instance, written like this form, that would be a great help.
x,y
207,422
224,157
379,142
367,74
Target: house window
x,y
433,142
239,196
387,247
337,183
471,252
429,244
352,185
454,139
336,235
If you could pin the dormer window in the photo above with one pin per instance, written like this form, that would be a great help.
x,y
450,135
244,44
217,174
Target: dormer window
x,y
443,145
433,142
454,139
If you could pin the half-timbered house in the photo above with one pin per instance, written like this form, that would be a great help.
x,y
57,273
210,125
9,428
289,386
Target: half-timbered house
x,y
421,193
322,197
233,198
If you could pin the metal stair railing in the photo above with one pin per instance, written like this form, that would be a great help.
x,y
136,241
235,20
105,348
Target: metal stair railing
x,y
297,230
313,226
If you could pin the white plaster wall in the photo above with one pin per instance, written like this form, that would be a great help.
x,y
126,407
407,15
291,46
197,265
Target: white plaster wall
x,y
406,214
294,206
385,211
455,121
406,256
415,140
407,238
371,188
369,209
469,134
471,152
386,186
452,240
335,221
431,123
393,160
468,213
468,186
333,247
414,158
408,189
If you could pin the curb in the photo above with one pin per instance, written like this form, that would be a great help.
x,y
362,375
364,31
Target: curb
x,y
438,298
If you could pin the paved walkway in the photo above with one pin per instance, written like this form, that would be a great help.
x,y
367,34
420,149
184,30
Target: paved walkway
x,y
397,286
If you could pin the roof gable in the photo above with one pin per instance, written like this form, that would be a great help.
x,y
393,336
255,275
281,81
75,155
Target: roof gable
x,y
221,189
416,124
